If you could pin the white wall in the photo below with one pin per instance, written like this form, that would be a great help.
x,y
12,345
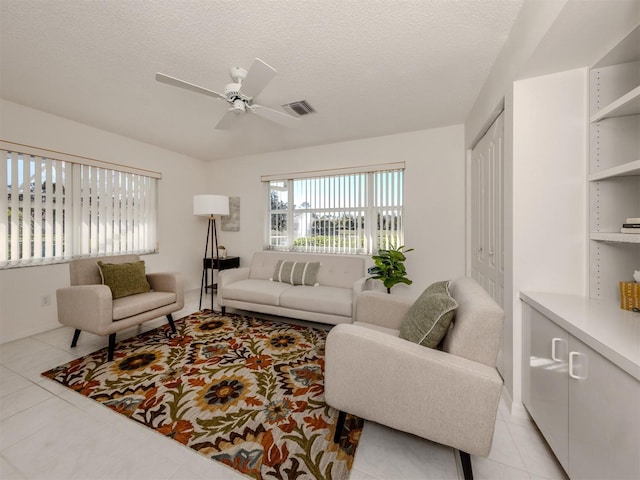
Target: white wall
x,y
434,195
549,191
533,22
179,235
434,199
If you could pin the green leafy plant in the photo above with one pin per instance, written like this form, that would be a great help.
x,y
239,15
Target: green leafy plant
x,y
389,267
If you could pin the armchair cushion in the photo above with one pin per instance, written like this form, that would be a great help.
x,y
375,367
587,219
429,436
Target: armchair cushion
x,y
428,319
124,279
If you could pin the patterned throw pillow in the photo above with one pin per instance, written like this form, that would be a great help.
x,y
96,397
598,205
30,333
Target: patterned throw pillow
x,y
296,273
428,319
124,279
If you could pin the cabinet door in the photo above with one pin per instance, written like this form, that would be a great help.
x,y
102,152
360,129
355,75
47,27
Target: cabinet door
x,y
604,417
546,392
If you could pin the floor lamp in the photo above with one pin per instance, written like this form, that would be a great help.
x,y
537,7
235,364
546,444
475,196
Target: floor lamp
x,y
211,206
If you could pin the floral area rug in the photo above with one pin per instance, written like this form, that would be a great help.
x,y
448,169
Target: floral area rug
x,y
246,392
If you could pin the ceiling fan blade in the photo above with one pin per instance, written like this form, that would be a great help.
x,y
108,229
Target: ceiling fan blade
x,y
275,116
162,78
228,119
258,76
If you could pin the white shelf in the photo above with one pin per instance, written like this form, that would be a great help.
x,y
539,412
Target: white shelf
x,y
627,170
615,237
623,52
628,104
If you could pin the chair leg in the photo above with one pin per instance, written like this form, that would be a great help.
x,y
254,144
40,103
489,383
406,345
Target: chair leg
x,y
171,323
465,459
223,310
342,416
112,346
76,335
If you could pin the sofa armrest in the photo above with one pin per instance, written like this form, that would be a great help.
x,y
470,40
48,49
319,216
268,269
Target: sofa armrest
x,y
382,309
86,307
226,277
359,286
426,392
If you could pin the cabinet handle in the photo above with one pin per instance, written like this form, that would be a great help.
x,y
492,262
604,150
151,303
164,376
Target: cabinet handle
x,y
553,349
572,355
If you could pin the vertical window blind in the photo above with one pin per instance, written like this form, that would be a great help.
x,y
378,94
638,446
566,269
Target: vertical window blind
x,y
56,209
355,211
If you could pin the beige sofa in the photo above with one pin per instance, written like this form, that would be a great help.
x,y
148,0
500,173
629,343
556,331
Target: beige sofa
x,y
449,396
88,305
341,279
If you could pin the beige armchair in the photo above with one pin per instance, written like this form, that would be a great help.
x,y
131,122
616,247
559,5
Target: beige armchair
x,y
448,396
88,305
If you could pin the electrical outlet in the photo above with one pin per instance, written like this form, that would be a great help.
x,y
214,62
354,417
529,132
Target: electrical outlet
x,y
45,300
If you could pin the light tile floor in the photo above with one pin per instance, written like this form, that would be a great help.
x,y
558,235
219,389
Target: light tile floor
x,y
50,432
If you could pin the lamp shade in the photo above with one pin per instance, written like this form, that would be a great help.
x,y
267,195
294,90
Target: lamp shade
x,y
210,205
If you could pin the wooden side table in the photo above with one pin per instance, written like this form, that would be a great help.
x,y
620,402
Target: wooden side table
x,y
209,263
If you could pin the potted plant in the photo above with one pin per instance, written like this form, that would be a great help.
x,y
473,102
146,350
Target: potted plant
x,y
389,267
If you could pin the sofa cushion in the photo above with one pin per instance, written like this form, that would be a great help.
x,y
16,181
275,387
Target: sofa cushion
x,y
256,291
329,300
143,302
428,319
124,279
296,273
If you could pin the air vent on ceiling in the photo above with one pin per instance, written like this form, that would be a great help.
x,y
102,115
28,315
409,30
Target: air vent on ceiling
x,y
299,108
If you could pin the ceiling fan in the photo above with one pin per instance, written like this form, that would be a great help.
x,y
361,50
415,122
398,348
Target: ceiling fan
x,y
240,94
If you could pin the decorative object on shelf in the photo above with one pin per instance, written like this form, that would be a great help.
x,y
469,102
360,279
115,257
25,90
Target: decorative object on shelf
x,y
222,251
630,293
231,222
389,267
632,225
212,206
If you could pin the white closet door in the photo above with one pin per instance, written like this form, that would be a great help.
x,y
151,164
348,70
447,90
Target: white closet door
x,y
487,213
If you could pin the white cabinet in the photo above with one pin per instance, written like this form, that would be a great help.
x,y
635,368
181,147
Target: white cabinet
x,y
546,383
604,417
581,383
614,166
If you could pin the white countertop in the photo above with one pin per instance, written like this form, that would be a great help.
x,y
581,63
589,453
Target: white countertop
x,y
601,324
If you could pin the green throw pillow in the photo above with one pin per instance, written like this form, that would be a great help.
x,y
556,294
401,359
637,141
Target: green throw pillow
x,y
124,279
296,273
428,319
439,287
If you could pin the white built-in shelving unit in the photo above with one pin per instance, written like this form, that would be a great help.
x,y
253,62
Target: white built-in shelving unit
x,y
614,166
578,349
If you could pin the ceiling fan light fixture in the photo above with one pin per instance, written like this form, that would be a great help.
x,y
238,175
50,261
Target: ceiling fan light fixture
x,y
240,94
239,106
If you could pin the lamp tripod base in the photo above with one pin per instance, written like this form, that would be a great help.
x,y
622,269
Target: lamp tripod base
x,y
211,232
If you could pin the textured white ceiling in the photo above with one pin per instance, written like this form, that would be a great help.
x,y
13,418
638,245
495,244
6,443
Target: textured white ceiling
x,y
368,67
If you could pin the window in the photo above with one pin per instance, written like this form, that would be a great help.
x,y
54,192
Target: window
x,y
56,209
354,211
